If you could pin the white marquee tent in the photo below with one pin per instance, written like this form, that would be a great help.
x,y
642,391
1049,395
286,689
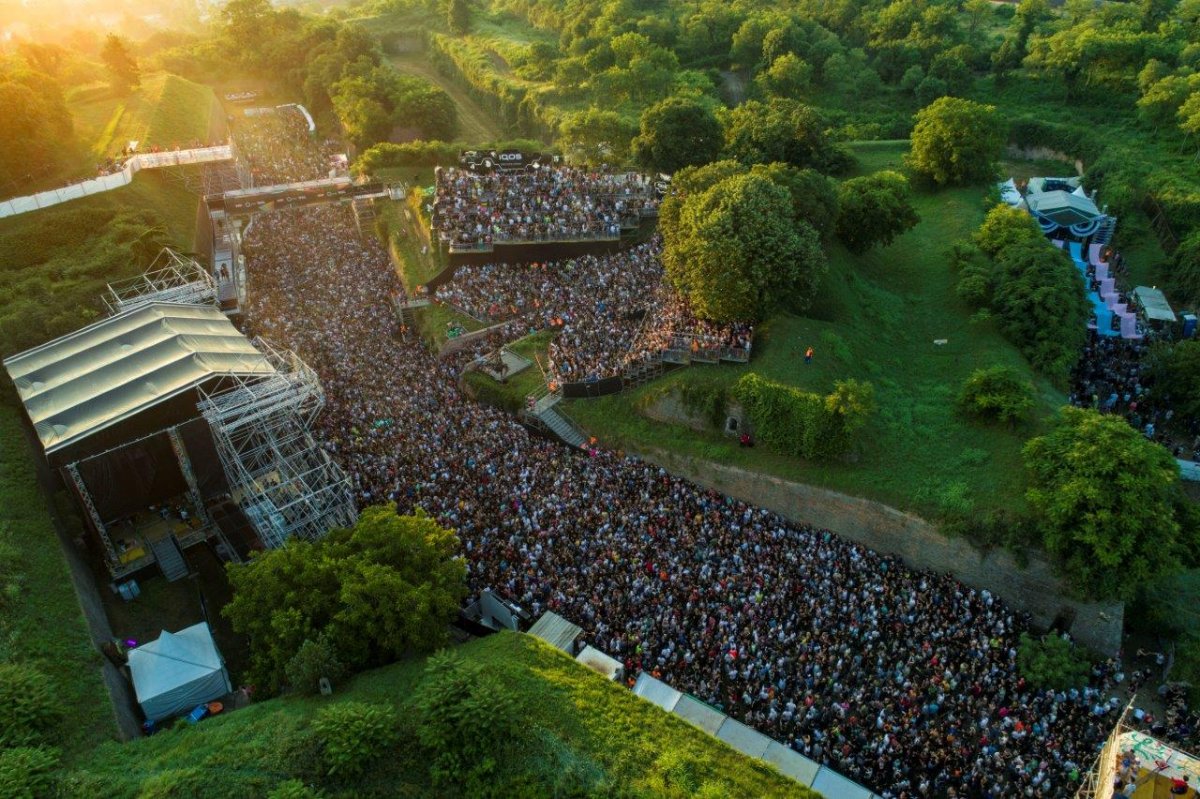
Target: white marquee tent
x,y
177,672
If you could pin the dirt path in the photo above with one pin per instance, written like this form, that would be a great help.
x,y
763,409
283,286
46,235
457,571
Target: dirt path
x,y
733,88
475,124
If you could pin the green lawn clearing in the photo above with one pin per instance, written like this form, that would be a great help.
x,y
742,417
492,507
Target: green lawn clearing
x,y
165,111
511,394
878,317
577,722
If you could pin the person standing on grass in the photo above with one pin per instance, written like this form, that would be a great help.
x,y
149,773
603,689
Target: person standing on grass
x,y
808,353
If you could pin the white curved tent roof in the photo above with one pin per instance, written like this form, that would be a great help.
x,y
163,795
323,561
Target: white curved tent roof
x,y
85,381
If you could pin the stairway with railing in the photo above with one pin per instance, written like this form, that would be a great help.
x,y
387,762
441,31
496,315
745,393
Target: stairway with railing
x,y
540,411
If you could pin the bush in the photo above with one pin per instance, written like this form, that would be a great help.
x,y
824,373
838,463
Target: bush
x,y
27,772
314,660
28,710
802,423
1052,662
293,789
454,703
353,735
176,783
998,392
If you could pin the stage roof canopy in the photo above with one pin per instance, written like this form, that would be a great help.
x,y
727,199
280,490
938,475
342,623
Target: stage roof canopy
x,y
112,369
1065,208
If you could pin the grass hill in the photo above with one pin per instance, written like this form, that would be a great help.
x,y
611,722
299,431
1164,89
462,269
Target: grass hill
x,y
55,263
165,111
585,730
40,620
876,318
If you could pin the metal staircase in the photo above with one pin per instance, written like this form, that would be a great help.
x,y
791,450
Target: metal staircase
x,y
170,558
540,411
406,311
1104,234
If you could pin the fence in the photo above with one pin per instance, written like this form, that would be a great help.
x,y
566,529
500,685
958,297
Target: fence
x,y
86,188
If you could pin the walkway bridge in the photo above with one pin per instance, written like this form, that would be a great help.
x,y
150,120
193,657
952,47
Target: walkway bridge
x,y
174,158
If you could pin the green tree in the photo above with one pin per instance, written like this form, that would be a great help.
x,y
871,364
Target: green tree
x,y
998,392
1185,276
316,659
1175,369
675,133
1052,662
814,196
1105,501
28,772
874,210
736,252
779,130
382,589
458,17
123,71
455,700
595,136
956,141
788,76
1005,227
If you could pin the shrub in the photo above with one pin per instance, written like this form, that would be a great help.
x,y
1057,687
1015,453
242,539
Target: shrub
x,y
1052,662
353,735
28,710
176,783
998,392
27,772
293,789
802,423
454,702
314,660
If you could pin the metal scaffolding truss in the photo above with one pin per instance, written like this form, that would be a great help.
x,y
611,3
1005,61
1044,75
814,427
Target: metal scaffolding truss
x,y
171,278
284,482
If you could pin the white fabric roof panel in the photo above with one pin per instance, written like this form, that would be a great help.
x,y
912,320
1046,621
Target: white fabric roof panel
x,y
791,763
556,631
1154,302
177,672
743,738
86,381
703,716
656,691
832,785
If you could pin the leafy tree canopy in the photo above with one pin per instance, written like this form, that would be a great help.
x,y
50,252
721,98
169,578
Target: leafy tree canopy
x,y
956,141
736,252
384,588
1105,499
780,130
874,210
675,133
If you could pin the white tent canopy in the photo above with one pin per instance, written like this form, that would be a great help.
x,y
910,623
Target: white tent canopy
x,y
178,672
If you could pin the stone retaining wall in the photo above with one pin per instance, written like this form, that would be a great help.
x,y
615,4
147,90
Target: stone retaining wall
x,y
1033,588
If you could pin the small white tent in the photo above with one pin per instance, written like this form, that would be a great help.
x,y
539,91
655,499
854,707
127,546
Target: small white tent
x,y
178,672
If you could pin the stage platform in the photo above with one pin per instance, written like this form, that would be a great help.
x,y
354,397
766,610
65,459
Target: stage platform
x,y
513,364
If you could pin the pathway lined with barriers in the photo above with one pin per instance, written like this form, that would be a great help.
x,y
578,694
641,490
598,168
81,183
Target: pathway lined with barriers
x,y
116,180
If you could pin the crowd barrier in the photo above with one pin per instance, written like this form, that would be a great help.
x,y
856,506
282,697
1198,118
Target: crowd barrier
x,y
116,180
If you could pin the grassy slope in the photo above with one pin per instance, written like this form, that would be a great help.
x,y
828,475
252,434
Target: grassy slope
x,y
475,124
165,111
875,319
45,625
597,725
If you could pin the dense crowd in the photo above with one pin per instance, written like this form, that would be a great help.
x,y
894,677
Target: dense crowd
x,y
904,680
277,148
537,204
1112,377
609,310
